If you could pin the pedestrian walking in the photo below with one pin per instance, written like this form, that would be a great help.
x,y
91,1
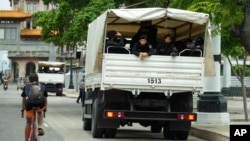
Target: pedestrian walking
x,y
81,90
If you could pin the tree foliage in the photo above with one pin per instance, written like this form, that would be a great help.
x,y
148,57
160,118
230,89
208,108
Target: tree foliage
x,y
77,31
226,13
67,24
231,17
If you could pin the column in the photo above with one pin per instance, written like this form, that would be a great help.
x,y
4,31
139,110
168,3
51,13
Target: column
x,y
226,78
212,105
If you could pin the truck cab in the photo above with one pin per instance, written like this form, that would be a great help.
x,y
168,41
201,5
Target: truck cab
x,y
52,74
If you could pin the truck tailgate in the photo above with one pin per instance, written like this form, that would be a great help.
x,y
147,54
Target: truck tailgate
x,y
51,78
155,73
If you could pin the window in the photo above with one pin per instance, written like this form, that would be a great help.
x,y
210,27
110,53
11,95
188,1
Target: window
x,y
16,6
35,8
10,33
1,33
28,7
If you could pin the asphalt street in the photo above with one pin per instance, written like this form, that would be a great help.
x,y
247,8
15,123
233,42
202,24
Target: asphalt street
x,y
62,122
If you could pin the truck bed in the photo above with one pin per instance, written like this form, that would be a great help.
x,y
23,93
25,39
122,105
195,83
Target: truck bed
x,y
154,74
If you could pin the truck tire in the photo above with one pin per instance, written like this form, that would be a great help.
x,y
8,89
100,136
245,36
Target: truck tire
x,y
96,132
59,94
86,121
156,127
169,135
110,132
87,124
182,102
175,135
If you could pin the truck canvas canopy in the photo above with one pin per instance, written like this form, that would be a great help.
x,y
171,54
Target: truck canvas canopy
x,y
181,24
51,64
167,21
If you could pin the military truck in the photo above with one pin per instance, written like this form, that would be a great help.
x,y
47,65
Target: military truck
x,y
52,74
122,90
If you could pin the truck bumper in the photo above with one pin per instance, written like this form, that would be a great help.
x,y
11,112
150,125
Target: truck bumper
x,y
149,115
113,118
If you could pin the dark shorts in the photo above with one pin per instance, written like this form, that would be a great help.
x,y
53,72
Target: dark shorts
x,y
29,105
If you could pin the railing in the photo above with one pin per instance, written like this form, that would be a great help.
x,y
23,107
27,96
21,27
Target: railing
x,y
118,49
28,54
235,87
235,82
191,52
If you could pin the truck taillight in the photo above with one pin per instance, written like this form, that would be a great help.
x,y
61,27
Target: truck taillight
x,y
110,114
189,117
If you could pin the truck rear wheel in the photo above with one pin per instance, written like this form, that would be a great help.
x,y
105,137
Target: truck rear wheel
x,y
96,132
110,132
179,102
176,135
87,124
156,127
173,135
59,94
86,121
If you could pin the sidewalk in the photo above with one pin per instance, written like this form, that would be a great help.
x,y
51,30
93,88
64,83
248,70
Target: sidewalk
x,y
220,132
70,93
211,132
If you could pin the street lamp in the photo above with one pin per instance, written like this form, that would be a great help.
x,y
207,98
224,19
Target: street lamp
x,y
71,86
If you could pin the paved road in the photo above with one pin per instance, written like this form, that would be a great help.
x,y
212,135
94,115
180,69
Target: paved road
x,y
62,122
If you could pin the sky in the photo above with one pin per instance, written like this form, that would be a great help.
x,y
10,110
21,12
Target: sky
x,y
5,5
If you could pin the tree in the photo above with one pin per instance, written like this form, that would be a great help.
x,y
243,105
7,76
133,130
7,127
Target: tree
x,y
77,32
240,70
67,23
234,31
54,23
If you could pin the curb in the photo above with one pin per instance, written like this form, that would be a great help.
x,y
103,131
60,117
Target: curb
x,y
71,95
208,135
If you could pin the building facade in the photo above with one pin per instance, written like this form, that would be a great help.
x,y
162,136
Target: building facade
x,y
21,41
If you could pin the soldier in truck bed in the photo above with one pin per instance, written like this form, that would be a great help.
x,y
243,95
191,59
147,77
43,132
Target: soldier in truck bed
x,y
115,39
146,28
142,48
166,47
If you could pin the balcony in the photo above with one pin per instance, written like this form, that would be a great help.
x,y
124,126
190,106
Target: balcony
x,y
28,54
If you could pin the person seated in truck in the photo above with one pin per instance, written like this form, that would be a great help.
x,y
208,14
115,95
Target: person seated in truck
x,y
185,44
195,47
146,28
142,48
115,39
166,47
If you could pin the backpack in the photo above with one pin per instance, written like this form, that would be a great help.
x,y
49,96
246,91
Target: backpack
x,y
35,93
